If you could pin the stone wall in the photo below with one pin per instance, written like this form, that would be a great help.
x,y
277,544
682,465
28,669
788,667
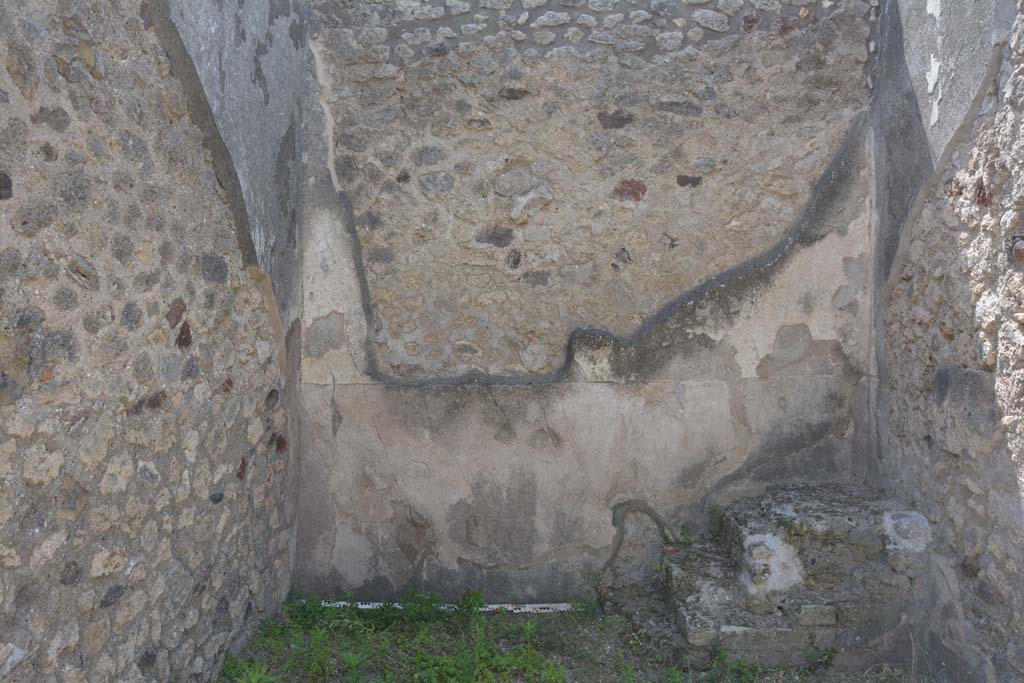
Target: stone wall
x,y
568,256
950,385
516,173
143,458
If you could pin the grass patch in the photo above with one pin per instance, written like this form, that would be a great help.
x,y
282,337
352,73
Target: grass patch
x,y
309,643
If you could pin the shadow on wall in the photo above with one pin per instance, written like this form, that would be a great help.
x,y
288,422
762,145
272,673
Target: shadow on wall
x,y
903,160
243,70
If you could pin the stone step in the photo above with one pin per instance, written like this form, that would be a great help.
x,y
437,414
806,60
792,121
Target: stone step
x,y
824,536
715,613
795,572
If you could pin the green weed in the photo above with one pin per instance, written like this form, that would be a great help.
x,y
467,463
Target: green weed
x,y
253,672
820,658
674,675
725,670
626,672
317,659
232,666
353,662
716,521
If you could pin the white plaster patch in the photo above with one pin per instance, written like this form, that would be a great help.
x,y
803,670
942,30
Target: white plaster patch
x,y
906,531
770,565
934,89
932,75
934,8
352,555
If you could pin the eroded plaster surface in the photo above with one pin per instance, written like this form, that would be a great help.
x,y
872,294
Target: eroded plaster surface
x,y
501,195
251,63
948,47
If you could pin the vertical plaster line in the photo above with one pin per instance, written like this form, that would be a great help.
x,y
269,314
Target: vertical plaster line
x,y
874,428
323,80
262,282
494,400
426,412
334,405
325,91
547,425
741,422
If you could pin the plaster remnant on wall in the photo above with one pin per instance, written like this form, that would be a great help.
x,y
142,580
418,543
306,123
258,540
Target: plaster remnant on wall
x,y
933,74
770,564
751,374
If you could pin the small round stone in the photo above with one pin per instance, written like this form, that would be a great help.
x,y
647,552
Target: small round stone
x,y
1018,251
